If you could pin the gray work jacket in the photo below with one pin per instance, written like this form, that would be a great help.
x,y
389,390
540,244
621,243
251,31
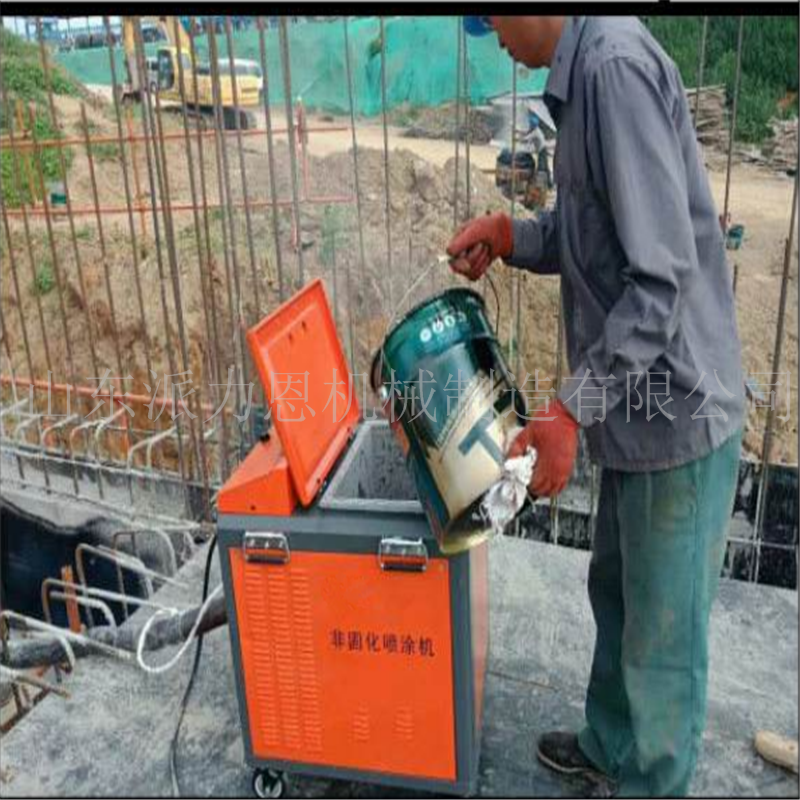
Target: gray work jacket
x,y
647,292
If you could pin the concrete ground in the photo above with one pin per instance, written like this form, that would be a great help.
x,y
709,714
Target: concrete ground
x,y
111,738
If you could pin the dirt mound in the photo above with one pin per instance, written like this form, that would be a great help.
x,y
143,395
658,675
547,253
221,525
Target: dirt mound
x,y
423,217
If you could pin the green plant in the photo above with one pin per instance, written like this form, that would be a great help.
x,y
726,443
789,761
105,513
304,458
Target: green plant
x,y
84,234
24,74
105,151
769,62
17,165
45,279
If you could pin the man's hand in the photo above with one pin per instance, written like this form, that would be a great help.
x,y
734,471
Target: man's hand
x,y
556,445
480,242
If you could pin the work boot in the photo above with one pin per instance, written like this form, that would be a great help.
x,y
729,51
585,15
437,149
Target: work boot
x,y
560,751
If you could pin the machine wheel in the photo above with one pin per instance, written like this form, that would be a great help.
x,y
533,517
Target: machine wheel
x,y
267,783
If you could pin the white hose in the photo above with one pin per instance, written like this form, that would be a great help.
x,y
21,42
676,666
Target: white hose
x,y
183,648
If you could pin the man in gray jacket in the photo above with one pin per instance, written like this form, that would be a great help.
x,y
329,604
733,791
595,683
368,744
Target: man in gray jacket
x,y
656,383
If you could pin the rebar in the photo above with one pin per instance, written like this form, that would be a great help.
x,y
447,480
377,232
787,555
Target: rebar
x,y
554,503
459,70
195,396
217,361
239,146
202,264
18,295
514,315
27,232
53,253
700,69
149,124
276,230
467,123
283,36
175,136
128,204
777,353
387,190
104,256
732,132
226,197
51,103
16,402
356,180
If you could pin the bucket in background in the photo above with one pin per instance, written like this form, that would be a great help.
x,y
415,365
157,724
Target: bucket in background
x,y
451,401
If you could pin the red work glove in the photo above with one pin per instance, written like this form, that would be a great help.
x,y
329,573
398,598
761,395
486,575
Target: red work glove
x,y
556,445
480,242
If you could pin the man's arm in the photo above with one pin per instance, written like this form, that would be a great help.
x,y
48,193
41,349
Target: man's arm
x,y
536,244
636,155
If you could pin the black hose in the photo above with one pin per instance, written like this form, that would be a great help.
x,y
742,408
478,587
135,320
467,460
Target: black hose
x,y
173,748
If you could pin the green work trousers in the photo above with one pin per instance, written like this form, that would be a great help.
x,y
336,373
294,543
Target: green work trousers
x,y
658,551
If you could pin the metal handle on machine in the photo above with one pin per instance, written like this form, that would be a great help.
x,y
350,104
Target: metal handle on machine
x,y
266,548
403,555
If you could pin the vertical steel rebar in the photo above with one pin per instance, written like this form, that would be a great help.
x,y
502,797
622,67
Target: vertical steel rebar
x,y
467,123
90,323
777,353
56,269
387,191
137,183
202,266
102,240
148,129
26,228
32,263
732,133
121,378
37,157
700,69
456,176
356,180
283,35
128,202
240,148
203,254
228,226
195,405
513,317
554,502
273,188
14,396
12,261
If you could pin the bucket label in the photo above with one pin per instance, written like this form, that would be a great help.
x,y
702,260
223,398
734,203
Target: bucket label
x,y
452,405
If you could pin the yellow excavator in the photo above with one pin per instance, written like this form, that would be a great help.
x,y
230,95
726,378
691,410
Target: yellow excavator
x,y
195,75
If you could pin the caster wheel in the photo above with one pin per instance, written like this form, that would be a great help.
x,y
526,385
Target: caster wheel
x,y
267,783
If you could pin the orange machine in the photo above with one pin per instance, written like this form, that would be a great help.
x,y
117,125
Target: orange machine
x,y
360,649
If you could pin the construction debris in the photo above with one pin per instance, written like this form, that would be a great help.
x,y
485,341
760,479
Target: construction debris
x,y
780,151
712,115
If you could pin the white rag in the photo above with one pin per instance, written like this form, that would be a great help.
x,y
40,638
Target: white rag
x,y
504,500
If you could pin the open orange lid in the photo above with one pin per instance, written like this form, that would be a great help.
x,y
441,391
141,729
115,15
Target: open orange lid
x,y
298,355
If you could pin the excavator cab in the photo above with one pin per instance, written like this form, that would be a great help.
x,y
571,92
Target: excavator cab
x,y
166,70
238,92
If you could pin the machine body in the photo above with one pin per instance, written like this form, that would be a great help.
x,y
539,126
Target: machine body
x,y
359,647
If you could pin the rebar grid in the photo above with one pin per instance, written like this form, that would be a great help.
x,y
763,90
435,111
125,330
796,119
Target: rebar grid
x,y
147,160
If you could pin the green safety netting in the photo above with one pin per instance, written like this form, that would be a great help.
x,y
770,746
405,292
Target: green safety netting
x,y
421,57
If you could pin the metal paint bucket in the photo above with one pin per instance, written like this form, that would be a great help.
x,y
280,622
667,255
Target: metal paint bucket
x,y
453,406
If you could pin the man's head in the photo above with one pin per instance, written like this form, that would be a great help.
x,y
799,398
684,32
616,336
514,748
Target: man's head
x,y
529,40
